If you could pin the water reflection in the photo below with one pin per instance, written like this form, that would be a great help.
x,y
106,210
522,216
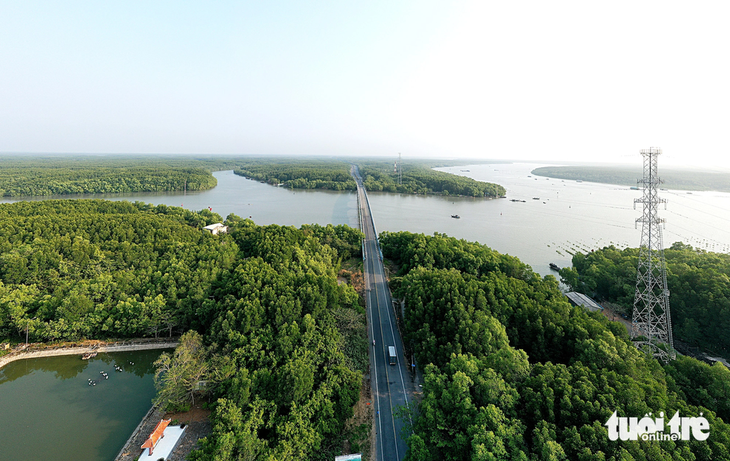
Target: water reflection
x,y
49,400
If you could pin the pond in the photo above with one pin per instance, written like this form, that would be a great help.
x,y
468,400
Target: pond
x,y
50,411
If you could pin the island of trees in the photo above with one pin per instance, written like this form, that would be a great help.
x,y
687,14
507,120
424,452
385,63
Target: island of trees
x,y
417,177
626,176
60,175
300,174
513,371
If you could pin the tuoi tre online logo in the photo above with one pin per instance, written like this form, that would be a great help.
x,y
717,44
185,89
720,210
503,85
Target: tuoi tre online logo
x,y
648,428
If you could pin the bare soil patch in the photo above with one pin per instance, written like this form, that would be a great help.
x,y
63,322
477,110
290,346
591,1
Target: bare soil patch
x,y
198,426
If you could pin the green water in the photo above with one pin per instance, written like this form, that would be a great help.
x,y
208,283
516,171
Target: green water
x,y
49,411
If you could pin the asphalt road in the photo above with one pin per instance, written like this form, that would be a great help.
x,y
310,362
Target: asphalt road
x,y
392,385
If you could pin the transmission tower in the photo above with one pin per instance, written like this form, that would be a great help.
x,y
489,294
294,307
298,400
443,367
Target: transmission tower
x,y
399,171
651,325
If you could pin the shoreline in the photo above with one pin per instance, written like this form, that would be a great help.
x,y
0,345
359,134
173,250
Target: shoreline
x,y
120,346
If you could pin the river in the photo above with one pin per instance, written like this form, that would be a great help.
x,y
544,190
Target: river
x,y
556,219
263,203
50,411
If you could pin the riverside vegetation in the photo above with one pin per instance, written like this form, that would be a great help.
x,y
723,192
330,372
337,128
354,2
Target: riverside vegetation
x,y
513,371
60,175
417,177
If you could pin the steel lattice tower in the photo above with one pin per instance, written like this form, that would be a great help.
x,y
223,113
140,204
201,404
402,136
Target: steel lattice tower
x,y
651,325
400,171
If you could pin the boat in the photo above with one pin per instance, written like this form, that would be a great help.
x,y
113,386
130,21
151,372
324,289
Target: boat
x,y
88,355
535,198
456,216
554,267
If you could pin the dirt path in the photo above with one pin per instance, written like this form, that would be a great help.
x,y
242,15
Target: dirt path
x,y
93,346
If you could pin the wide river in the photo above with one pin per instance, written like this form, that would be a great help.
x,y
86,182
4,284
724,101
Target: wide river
x,y
47,405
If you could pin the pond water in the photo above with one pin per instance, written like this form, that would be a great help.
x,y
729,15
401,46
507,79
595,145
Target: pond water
x,y
49,410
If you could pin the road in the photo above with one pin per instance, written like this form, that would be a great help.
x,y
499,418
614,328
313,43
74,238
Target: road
x,y
392,385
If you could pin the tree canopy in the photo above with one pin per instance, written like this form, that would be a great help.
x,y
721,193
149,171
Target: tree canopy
x,y
698,282
277,342
420,178
513,371
417,177
61,175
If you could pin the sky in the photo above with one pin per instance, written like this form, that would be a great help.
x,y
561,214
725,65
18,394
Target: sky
x,y
523,80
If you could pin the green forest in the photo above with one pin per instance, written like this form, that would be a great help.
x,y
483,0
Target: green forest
x,y
420,178
513,371
60,175
626,176
281,344
698,282
300,174
417,177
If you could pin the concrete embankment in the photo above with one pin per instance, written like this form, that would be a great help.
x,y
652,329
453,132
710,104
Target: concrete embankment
x,y
97,347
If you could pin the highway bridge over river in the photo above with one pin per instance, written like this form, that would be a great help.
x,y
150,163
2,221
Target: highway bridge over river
x,y
392,385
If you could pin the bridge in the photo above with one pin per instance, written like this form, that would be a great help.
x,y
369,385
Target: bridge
x,y
392,386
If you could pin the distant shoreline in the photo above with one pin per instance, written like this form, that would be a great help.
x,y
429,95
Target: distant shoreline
x,y
80,350
672,178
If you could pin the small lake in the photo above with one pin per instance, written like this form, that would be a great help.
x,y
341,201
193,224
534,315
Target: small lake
x,y
49,410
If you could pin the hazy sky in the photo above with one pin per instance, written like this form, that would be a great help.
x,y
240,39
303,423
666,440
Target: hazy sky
x,y
581,80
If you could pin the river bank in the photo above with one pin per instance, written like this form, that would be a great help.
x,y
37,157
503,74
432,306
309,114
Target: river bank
x,y
44,350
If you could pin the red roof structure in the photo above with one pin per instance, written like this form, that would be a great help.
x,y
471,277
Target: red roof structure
x,y
156,435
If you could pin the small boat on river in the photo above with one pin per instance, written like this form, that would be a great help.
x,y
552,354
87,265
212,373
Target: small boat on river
x,y
456,216
554,267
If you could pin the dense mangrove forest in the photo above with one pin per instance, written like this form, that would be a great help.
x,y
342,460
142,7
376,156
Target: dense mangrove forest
x,y
513,371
